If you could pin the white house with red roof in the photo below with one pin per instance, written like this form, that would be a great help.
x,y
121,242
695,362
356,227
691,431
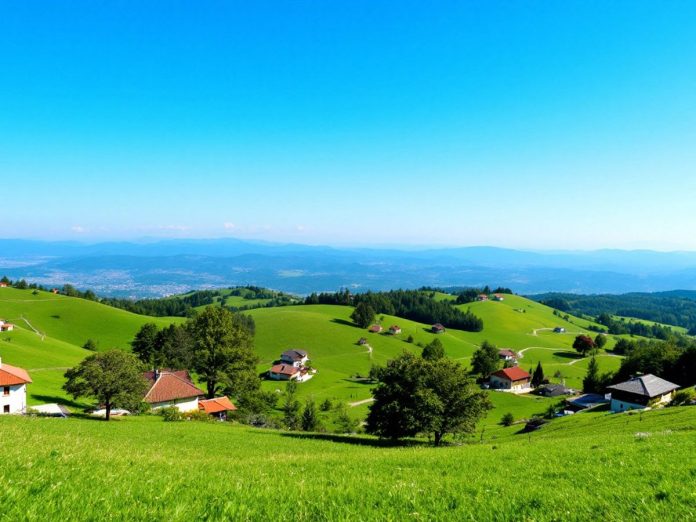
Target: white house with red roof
x,y
513,379
172,388
395,329
13,389
294,357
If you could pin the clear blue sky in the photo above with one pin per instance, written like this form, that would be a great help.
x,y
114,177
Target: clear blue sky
x,y
523,124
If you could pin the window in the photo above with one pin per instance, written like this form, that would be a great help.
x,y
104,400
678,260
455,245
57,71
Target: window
x,y
6,408
6,391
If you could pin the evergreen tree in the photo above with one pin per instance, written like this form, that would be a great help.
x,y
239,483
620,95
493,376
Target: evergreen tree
x,y
310,421
591,382
291,407
145,343
363,315
538,376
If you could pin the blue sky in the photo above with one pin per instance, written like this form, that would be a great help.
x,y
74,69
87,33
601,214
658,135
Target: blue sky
x,y
522,124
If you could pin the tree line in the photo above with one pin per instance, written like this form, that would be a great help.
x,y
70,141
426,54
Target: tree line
x,y
416,305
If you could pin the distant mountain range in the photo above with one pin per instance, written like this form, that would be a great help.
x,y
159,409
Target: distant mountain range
x,y
162,267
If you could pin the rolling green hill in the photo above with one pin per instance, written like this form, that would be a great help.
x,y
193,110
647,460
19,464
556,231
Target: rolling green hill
x,y
50,331
594,466
52,328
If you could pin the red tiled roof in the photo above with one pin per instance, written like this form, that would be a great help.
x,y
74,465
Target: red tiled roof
x,y
285,369
171,387
12,376
375,328
216,405
514,374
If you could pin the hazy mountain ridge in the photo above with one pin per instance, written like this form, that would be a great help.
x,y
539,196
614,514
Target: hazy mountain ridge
x,y
158,267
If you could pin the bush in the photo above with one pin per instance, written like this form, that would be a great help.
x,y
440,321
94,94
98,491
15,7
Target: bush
x,y
683,397
326,405
508,419
171,414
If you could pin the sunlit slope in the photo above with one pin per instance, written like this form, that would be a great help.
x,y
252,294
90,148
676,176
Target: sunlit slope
x,y
73,320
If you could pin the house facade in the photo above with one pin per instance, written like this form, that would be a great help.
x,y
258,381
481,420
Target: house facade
x,y
6,327
172,388
437,328
645,391
294,357
394,329
283,372
13,389
508,355
511,379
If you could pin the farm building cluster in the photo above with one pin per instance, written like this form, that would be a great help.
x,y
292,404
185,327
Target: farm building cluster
x,y
5,326
292,365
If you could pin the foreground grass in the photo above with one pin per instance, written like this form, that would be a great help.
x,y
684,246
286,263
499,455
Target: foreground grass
x,y
588,467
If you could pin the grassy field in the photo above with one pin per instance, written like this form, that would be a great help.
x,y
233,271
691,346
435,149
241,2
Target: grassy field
x,y
585,467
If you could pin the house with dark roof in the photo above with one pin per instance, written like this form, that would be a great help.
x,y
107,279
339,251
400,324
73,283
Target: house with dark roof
x,y
554,390
13,389
294,357
644,391
172,388
587,401
218,407
513,379
437,328
559,329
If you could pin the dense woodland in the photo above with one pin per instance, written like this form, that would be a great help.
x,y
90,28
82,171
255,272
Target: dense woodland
x,y
416,305
677,308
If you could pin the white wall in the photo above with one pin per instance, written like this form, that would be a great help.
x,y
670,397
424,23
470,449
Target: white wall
x,y
183,405
17,399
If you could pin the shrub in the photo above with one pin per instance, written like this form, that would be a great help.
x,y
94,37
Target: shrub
x,y
683,397
171,414
508,419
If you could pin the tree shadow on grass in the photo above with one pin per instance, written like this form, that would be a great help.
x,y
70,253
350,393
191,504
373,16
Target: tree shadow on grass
x,y
569,355
344,322
365,380
355,440
48,399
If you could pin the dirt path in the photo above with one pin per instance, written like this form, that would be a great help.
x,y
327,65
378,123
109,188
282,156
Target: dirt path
x,y
359,403
32,328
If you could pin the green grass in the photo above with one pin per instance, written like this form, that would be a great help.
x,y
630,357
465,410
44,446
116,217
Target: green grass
x,y
585,467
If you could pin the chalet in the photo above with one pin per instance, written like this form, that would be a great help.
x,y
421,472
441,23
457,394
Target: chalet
x,y
559,329
13,389
641,392
375,328
172,388
283,372
498,297
217,407
554,390
512,379
394,330
6,327
3,285
508,355
482,297
294,357
437,328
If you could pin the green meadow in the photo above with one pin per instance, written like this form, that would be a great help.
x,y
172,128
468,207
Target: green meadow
x,y
585,467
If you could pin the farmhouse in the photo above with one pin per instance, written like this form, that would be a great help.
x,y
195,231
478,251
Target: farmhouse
x,y
512,379
375,328
6,327
13,389
641,392
482,297
217,407
172,388
507,355
394,330
283,372
559,329
498,297
437,328
3,284
294,357
554,390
